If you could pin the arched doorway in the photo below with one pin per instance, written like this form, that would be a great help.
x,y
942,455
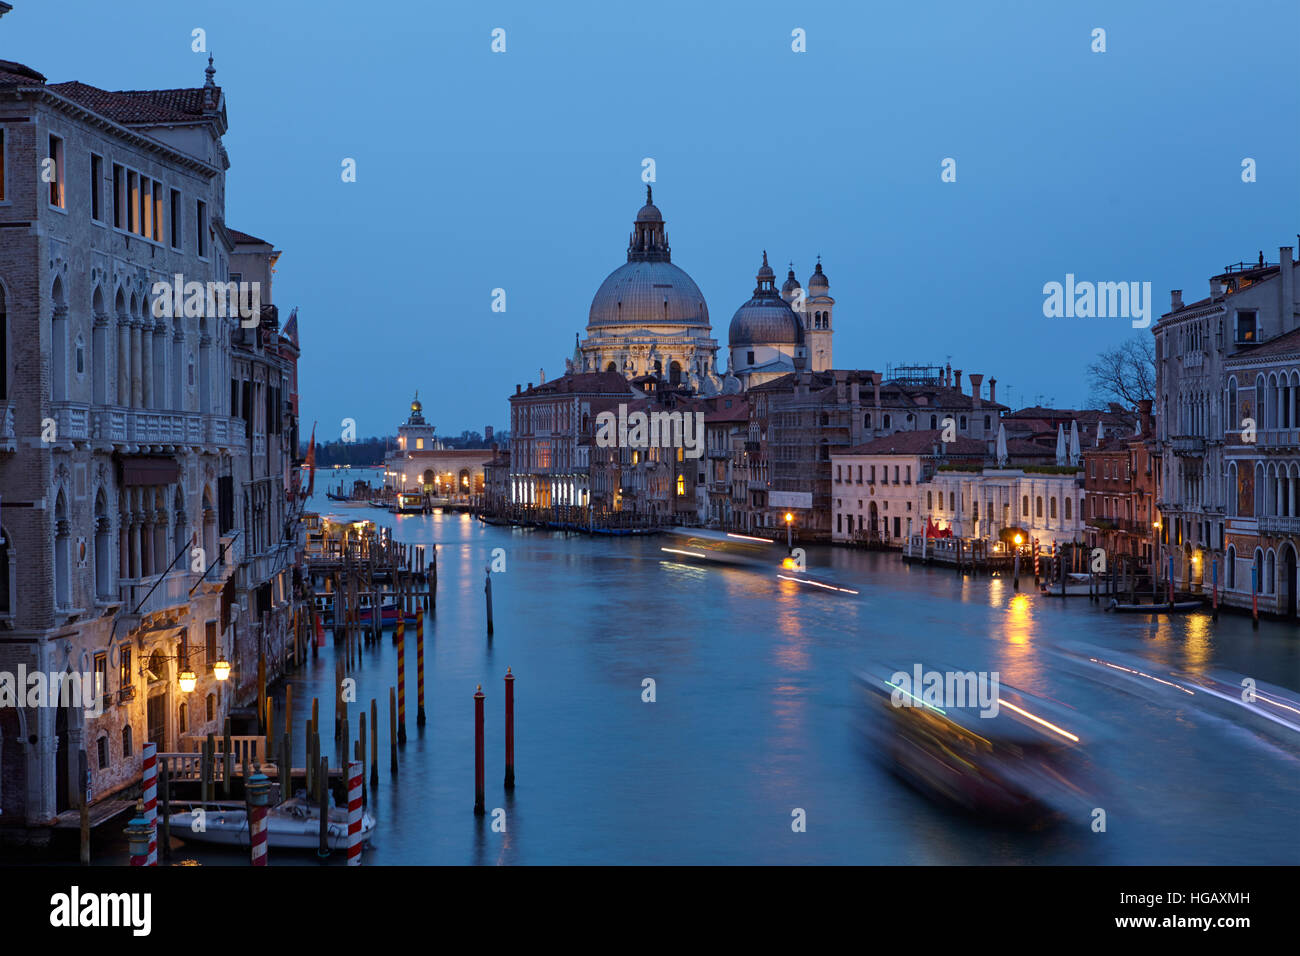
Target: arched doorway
x,y
674,373
873,518
462,482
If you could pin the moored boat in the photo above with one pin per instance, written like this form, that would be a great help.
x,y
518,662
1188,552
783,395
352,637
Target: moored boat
x,y
292,825
1177,607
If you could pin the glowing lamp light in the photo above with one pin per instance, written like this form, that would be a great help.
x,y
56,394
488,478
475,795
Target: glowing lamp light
x,y
221,669
187,681
1019,539
788,517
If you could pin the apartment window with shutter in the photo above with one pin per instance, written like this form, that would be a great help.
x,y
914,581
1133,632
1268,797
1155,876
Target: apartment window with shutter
x,y
96,187
201,227
1246,331
132,201
54,172
176,218
210,643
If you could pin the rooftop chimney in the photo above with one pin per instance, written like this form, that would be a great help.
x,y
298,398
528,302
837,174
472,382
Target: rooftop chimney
x,y
518,388
956,377
993,390
1175,299
875,388
1144,415
975,382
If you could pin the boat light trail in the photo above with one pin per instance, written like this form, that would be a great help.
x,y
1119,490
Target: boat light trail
x,y
692,554
818,584
1038,720
1129,670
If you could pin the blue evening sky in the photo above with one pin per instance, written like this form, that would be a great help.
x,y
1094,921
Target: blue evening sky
x,y
523,170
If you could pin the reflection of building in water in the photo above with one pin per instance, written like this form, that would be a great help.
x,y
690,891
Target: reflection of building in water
x,y
422,462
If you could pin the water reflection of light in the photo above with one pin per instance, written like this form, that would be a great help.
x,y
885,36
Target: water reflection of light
x,y
1019,657
1197,642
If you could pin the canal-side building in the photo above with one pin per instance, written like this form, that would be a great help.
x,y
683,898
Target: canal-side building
x,y
1263,474
1249,304
896,487
878,486
119,450
552,432
263,390
798,421
1120,480
422,462
726,426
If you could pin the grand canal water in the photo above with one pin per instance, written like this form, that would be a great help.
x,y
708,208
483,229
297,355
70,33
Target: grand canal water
x,y
756,715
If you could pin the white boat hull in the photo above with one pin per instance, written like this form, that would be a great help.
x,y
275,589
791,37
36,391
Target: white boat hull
x,y
286,829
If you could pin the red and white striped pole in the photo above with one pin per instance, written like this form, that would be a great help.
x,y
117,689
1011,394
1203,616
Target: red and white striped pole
x,y
354,813
401,668
149,781
258,791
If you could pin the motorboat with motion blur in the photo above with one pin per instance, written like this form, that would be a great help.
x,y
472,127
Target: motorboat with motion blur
x,y
1020,762
706,546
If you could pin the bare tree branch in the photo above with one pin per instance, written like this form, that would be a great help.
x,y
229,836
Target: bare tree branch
x,y
1125,374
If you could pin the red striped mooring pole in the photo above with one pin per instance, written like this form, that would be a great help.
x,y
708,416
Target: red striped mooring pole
x,y
257,790
401,671
354,813
149,777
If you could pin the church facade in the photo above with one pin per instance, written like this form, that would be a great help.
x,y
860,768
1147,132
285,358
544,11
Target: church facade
x,y
649,318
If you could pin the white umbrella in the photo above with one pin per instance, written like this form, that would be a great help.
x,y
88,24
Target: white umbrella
x,y
1002,444
1074,442
1060,444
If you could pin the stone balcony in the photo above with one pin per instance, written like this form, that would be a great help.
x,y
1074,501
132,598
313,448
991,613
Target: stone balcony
x,y
1278,438
113,427
1277,524
141,597
1192,446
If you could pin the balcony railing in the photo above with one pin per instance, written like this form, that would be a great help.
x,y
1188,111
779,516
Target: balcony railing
x,y
1278,524
172,591
1279,437
72,421
1188,445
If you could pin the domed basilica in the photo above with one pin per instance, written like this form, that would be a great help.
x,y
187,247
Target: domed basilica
x,y
649,318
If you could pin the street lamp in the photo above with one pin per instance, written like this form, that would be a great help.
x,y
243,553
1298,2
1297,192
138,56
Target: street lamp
x,y
187,681
789,531
221,669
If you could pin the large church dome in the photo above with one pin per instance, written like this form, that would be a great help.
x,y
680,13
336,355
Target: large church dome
x,y
648,290
644,293
766,319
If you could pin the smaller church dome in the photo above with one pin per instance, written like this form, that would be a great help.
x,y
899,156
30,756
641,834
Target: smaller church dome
x,y
819,282
766,319
791,285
